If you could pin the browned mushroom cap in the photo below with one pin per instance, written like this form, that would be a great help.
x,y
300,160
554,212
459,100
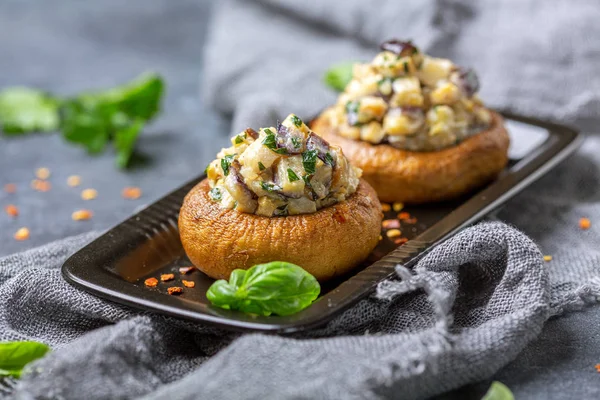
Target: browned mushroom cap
x,y
326,243
422,177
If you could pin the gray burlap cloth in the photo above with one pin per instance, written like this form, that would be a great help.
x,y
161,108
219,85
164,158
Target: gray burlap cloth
x,y
467,309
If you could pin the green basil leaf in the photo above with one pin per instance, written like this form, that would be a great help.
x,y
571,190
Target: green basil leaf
x,y
125,138
261,166
24,110
14,356
139,98
239,139
277,287
309,161
226,163
498,391
338,76
292,177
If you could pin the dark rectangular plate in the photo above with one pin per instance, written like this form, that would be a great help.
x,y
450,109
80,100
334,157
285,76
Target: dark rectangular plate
x,y
115,265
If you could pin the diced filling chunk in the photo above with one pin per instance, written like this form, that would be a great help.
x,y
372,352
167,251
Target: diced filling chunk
x,y
280,171
410,100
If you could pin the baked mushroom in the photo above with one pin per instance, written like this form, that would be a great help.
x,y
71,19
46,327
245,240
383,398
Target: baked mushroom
x,y
416,127
280,194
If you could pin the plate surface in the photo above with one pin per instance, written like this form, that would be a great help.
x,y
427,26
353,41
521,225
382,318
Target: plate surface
x,y
115,265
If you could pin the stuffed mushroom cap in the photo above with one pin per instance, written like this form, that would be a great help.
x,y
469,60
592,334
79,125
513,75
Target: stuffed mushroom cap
x,y
280,194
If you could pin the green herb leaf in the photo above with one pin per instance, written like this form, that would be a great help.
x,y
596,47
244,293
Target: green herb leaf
x,y
309,161
297,121
14,356
269,187
24,110
406,69
226,163
125,138
215,194
292,177
239,139
498,391
329,159
306,179
352,107
261,166
296,142
274,288
338,76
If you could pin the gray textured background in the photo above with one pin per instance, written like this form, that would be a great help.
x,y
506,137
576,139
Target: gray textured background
x,y
67,46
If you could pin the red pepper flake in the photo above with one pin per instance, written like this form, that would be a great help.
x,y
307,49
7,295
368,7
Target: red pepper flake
x,y
385,207
411,221
186,270
132,192
392,233
10,188
189,284
11,210
390,224
82,215
22,234
174,290
151,282
41,185
167,277
400,241
597,366
403,216
42,173
585,223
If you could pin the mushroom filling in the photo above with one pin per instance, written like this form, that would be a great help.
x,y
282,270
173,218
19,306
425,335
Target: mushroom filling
x,y
281,171
410,100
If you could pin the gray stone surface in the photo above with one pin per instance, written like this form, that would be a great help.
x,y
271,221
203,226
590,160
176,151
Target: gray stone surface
x,y
67,46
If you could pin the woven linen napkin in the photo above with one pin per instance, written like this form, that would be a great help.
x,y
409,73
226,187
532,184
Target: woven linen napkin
x,y
467,308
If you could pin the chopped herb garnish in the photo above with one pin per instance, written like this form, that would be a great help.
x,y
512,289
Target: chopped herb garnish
x,y
297,121
352,106
309,161
306,179
269,187
261,166
379,83
329,159
406,69
239,139
271,142
415,50
206,169
215,194
226,163
296,142
292,177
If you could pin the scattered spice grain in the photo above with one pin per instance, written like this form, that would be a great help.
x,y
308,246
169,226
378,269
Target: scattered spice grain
x,y
131,192
188,284
397,206
390,223
10,188
89,194
74,180
81,215
167,277
585,223
174,290
385,207
11,210
392,233
547,258
22,234
42,173
151,282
